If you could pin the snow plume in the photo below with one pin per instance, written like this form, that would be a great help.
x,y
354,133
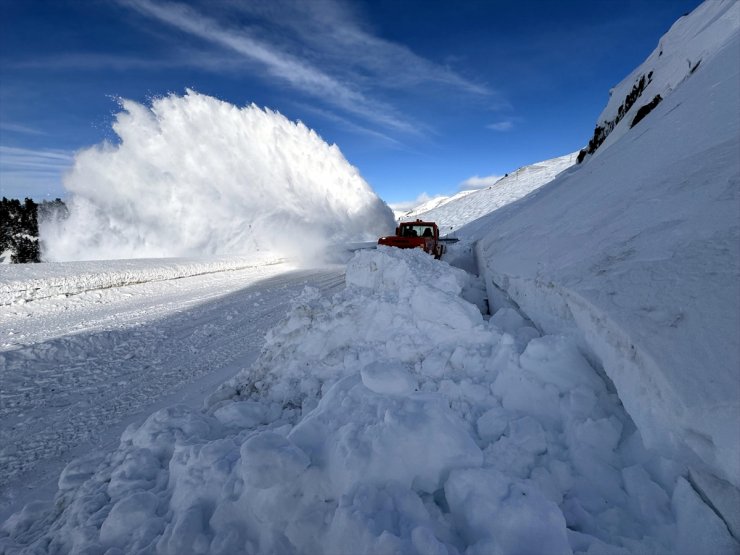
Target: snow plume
x,y
193,175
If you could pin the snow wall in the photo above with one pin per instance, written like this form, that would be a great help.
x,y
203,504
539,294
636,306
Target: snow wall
x,y
637,249
193,175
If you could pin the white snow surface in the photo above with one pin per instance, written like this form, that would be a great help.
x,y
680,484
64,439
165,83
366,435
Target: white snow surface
x,y
192,175
390,417
430,204
594,411
21,283
78,367
636,253
468,206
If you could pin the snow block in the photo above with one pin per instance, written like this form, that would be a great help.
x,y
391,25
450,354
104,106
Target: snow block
x,y
505,516
358,436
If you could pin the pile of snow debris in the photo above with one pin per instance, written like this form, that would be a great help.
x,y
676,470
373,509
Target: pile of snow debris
x,y
390,418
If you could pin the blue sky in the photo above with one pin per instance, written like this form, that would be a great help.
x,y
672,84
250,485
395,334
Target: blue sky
x,y
421,96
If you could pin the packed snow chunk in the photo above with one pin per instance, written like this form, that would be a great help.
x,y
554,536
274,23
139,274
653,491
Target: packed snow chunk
x,y
269,458
388,269
700,530
508,517
443,311
373,520
132,523
646,497
388,378
187,533
358,436
508,320
520,391
556,360
199,470
193,175
492,424
244,414
79,470
602,435
164,428
140,470
528,435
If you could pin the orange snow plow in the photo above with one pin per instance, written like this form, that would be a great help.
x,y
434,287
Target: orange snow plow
x,y
416,235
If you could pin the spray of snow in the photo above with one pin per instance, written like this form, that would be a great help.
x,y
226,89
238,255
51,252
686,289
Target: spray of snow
x,y
193,175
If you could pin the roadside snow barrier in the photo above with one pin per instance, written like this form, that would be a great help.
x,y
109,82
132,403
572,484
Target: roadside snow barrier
x,y
389,418
31,282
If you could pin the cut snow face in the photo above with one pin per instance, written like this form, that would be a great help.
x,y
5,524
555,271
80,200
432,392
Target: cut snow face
x,y
193,175
389,418
635,252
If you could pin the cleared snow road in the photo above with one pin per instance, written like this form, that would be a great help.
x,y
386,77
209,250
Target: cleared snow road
x,y
76,370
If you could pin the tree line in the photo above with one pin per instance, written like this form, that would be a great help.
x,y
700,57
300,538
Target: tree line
x,y
19,227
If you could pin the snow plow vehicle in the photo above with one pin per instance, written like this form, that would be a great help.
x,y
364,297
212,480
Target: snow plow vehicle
x,y
416,235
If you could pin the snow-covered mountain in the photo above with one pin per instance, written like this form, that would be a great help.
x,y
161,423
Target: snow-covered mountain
x,y
453,212
426,206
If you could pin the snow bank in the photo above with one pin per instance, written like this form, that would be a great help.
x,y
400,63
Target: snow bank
x,y
389,418
29,282
635,253
193,175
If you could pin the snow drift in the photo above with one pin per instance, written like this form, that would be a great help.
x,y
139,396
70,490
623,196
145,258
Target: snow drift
x,y
193,175
389,418
635,253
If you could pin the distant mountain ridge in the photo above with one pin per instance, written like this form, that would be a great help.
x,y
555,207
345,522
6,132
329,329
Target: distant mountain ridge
x,y
458,210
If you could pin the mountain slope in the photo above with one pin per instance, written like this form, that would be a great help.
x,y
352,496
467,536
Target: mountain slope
x,y
463,209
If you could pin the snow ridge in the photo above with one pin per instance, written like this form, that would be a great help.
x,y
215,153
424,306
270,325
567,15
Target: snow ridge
x,y
463,209
30,282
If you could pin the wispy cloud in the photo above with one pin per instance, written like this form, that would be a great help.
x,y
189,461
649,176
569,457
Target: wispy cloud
x,y
33,173
478,182
350,125
333,32
119,62
506,125
19,128
298,73
407,205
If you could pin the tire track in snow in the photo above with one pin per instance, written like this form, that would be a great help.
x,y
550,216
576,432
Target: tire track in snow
x,y
67,393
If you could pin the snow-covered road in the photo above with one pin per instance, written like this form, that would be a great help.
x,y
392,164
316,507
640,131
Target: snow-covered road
x,y
76,370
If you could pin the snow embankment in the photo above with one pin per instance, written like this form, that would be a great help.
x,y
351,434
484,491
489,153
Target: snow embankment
x,y
30,282
389,418
636,252
463,209
192,176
